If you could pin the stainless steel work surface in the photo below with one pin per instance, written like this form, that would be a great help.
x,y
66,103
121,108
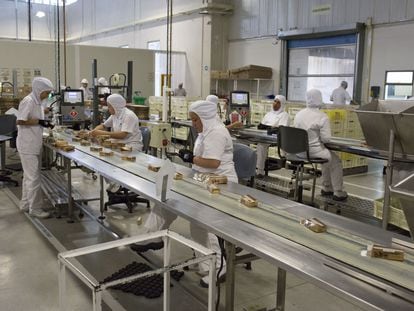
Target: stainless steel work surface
x,y
272,231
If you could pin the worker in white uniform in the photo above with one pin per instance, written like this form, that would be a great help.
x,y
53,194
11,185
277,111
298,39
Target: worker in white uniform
x,y
103,89
30,124
213,153
124,126
275,118
316,123
87,94
215,100
340,96
180,91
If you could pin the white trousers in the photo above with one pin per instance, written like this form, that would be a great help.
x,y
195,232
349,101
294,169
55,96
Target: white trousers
x,y
32,196
261,151
332,173
160,219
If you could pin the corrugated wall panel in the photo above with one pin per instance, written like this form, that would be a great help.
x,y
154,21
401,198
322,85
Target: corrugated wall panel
x,y
264,16
282,13
382,11
410,9
338,12
351,11
366,9
398,10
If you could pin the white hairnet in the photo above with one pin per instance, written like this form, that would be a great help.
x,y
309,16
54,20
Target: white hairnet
x,y
282,100
344,84
84,81
40,85
102,81
117,102
213,99
314,98
204,109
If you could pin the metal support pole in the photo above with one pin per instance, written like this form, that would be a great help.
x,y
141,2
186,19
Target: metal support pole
x,y
211,280
101,197
97,300
130,81
167,257
230,275
388,182
70,198
62,286
95,119
3,154
281,289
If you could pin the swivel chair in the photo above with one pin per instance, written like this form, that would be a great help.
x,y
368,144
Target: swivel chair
x,y
295,143
244,159
123,195
7,128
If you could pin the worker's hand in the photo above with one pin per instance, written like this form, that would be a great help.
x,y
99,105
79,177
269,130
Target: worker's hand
x,y
186,155
46,123
93,133
263,126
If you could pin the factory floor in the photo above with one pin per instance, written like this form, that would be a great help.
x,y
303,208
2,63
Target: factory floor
x,y
29,273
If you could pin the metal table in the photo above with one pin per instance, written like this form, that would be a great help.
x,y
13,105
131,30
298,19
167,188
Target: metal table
x,y
3,140
288,251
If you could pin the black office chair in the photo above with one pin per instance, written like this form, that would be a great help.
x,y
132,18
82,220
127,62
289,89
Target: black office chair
x,y
244,159
123,195
8,127
294,141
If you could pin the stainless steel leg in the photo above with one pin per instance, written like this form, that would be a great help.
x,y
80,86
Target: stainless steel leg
x,y
3,155
97,300
101,197
230,276
167,256
62,286
281,289
388,182
70,198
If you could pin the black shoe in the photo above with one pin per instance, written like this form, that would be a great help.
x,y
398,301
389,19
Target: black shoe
x,y
339,198
141,248
326,193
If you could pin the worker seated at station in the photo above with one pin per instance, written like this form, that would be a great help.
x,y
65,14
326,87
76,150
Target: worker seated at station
x,y
273,119
213,153
124,126
316,123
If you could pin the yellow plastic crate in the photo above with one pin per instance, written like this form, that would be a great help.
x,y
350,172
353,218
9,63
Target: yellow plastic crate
x,y
397,217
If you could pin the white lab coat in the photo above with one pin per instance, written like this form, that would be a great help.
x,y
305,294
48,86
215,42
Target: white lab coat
x,y
340,96
87,94
128,122
29,145
316,123
274,119
215,143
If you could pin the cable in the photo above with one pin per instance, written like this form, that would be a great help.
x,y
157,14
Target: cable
x,y
223,252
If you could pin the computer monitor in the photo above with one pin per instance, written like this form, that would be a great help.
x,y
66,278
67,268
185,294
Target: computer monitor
x,y
72,106
73,96
239,99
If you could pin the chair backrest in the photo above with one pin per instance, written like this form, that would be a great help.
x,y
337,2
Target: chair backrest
x,y
8,124
146,137
244,160
292,140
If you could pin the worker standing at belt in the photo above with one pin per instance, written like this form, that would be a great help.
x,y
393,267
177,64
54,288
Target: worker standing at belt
x,y
30,124
340,96
316,123
87,94
213,153
275,118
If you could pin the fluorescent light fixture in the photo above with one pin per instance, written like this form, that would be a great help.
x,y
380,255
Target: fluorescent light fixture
x,y
51,2
40,14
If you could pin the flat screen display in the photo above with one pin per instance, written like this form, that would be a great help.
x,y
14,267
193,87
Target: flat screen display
x,y
240,99
72,97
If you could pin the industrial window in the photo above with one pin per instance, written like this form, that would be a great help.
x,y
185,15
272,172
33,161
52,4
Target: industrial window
x,y
398,84
321,63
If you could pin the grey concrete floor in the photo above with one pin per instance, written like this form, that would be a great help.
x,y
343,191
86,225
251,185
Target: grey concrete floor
x,y
28,266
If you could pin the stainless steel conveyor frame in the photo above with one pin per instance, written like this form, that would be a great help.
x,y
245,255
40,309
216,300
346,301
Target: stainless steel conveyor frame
x,y
361,288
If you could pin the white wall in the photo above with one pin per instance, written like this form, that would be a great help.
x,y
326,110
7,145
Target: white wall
x,y
187,37
262,52
392,49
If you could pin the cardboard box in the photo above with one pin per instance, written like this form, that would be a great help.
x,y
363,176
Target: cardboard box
x,y
251,72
